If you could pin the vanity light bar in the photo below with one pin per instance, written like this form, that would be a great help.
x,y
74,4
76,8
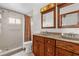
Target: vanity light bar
x,y
49,6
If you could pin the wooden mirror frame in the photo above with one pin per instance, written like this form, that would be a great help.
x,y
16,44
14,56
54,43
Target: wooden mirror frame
x,y
59,6
49,10
70,26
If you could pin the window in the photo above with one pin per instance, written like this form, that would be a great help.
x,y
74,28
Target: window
x,y
11,20
18,21
14,21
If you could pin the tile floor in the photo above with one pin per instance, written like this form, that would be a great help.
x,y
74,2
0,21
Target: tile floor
x,y
27,52
23,53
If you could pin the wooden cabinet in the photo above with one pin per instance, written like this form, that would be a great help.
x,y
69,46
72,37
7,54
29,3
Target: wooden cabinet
x,y
41,49
35,48
38,46
72,47
49,51
62,52
43,46
35,45
49,47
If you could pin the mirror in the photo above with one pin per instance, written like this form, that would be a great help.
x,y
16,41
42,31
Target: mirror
x,y
69,16
48,18
70,20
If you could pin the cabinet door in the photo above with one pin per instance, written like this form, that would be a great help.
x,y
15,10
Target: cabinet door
x,y
62,52
49,47
72,47
50,42
38,46
41,49
35,48
49,51
35,45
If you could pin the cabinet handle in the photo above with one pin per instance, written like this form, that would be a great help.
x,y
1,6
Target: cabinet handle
x,y
48,41
48,50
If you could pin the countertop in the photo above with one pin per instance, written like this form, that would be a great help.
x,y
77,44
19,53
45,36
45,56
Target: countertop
x,y
57,36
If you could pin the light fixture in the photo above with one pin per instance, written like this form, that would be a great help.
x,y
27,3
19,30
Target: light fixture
x,y
52,5
45,8
42,10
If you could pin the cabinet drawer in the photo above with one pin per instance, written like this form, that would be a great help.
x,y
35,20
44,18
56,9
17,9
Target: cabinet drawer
x,y
50,42
68,46
62,52
38,38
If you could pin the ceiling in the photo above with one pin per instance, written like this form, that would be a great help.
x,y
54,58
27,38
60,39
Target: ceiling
x,y
23,8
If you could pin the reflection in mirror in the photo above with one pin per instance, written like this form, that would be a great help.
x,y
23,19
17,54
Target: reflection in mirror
x,y
48,16
70,20
68,16
48,19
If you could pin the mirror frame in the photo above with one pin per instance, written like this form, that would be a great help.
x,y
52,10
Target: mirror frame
x,y
59,6
47,11
69,26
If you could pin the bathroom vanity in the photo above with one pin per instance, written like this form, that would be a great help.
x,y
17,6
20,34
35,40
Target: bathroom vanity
x,y
54,45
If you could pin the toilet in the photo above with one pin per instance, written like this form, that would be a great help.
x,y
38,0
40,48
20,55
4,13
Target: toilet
x,y
28,46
